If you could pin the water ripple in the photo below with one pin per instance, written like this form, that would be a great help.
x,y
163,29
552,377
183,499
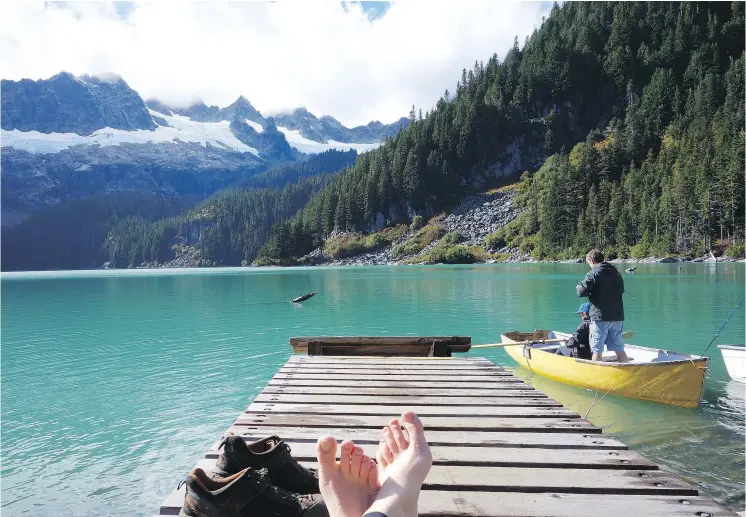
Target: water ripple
x,y
115,383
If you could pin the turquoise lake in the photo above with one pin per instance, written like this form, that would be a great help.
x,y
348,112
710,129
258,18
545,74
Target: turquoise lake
x,y
115,383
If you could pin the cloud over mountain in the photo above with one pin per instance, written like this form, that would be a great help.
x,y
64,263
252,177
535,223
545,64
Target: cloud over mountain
x,y
329,57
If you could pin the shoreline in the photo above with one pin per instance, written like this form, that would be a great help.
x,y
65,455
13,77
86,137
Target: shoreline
x,y
46,272
352,262
360,261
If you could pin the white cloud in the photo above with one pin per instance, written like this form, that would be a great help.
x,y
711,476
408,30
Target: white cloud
x,y
279,55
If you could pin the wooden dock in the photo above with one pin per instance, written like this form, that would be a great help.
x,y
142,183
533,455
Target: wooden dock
x,y
500,447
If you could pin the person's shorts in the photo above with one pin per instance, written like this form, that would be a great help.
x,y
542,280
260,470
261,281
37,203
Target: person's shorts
x,y
607,333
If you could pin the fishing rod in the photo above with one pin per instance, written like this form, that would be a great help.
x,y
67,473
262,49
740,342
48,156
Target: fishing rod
x,y
724,324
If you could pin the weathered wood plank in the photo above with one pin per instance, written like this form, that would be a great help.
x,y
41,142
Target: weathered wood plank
x,y
552,440
421,392
491,504
318,349
496,504
455,342
428,385
480,373
540,400
432,362
484,423
563,481
370,362
502,457
461,479
568,481
432,378
332,409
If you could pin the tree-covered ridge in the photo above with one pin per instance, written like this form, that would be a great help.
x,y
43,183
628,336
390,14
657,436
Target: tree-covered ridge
x,y
132,228
280,175
652,91
71,235
230,227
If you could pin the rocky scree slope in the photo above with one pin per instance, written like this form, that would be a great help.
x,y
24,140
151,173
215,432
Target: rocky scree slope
x,y
474,218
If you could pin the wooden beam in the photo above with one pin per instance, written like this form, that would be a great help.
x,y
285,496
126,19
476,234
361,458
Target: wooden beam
x,y
319,348
497,504
553,439
331,409
427,362
503,457
422,392
496,384
436,423
387,371
405,400
452,341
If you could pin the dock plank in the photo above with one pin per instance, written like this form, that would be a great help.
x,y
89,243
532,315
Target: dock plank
x,y
540,400
552,439
422,410
513,384
495,504
429,362
390,372
502,457
491,504
566,481
490,423
434,378
525,481
446,369
420,392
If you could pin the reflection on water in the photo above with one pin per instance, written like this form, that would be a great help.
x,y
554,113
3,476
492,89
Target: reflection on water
x,y
704,446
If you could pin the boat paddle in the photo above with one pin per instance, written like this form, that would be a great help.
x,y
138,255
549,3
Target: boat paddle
x,y
532,342
520,343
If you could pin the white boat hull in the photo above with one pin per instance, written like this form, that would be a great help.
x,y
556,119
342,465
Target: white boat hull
x,y
735,361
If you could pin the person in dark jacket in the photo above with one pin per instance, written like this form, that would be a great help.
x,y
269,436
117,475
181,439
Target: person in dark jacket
x,y
604,286
579,343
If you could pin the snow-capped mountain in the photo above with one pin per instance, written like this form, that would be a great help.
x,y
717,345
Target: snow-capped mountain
x,y
328,128
69,137
65,103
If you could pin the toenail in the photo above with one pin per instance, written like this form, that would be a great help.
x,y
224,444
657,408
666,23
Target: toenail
x,y
326,445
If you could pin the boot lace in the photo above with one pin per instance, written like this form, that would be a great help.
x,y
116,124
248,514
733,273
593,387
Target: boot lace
x,y
298,466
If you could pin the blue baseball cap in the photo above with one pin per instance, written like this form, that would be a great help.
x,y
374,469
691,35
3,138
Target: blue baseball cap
x,y
586,307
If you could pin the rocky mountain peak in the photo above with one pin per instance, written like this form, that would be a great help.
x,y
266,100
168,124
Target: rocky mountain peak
x,y
241,109
66,103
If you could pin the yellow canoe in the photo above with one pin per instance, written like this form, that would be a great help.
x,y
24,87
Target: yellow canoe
x,y
652,374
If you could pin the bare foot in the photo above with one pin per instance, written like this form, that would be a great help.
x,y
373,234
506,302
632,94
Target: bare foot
x,y
346,485
404,462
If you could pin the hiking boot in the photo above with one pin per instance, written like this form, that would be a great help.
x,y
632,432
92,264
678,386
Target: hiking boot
x,y
272,454
246,493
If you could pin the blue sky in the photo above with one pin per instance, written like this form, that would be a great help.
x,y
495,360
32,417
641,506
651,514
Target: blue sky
x,y
375,10
357,61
